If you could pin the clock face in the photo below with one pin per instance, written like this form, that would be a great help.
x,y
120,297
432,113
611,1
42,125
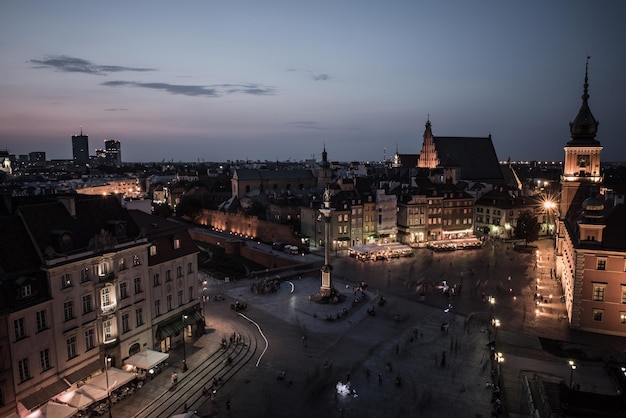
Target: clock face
x,y
583,160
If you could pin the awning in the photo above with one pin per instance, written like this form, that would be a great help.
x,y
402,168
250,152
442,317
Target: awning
x,y
85,372
44,394
174,326
53,410
82,397
113,378
146,359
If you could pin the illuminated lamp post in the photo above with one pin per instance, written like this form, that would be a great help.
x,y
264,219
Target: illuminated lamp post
x,y
184,352
571,373
107,364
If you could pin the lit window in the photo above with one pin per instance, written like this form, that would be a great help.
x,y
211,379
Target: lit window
x,y
176,243
102,269
136,260
598,292
597,315
153,250
66,280
601,264
122,264
622,318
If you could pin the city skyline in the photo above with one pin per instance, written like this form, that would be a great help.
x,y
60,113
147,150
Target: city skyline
x,y
214,81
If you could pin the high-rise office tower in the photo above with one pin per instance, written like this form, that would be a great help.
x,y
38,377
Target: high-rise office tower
x,y
80,148
113,152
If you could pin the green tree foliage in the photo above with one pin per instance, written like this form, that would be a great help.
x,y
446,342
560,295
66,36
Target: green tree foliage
x,y
189,205
527,227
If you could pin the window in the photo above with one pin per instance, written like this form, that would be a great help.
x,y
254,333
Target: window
x,y
26,291
597,315
107,327
87,303
190,293
624,294
125,322
157,307
136,260
189,268
68,310
180,297
71,347
89,339
106,297
23,370
44,358
156,279
123,290
601,264
168,275
122,264
139,316
153,250
137,284
84,275
169,302
66,281
622,318
42,322
102,269
179,271
20,330
598,292
176,243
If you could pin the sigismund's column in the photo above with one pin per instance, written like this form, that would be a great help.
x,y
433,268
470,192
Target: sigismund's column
x,y
326,212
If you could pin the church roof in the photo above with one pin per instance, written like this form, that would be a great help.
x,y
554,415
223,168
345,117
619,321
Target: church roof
x,y
584,127
476,156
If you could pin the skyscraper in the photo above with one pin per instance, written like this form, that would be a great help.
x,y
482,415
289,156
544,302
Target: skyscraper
x,y
113,152
80,148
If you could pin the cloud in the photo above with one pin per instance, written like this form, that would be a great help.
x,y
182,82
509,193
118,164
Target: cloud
x,y
307,124
216,90
78,65
321,77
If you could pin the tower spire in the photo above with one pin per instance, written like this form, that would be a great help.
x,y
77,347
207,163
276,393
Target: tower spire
x,y
584,127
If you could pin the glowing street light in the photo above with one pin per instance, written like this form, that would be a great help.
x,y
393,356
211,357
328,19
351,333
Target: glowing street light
x,y
184,353
571,373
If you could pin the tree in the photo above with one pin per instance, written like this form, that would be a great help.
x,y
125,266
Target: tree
x,y
527,227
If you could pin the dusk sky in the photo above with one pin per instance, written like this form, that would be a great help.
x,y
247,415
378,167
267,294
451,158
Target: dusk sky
x,y
277,80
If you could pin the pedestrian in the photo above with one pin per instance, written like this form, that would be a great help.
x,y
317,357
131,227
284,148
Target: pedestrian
x,y
185,407
228,405
380,379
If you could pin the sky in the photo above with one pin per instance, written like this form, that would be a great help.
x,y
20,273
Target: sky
x,y
280,80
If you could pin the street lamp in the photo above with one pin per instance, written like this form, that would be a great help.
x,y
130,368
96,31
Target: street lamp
x,y
107,363
496,325
184,353
571,373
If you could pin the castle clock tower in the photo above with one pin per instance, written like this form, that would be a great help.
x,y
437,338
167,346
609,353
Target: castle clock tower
x,y
581,170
